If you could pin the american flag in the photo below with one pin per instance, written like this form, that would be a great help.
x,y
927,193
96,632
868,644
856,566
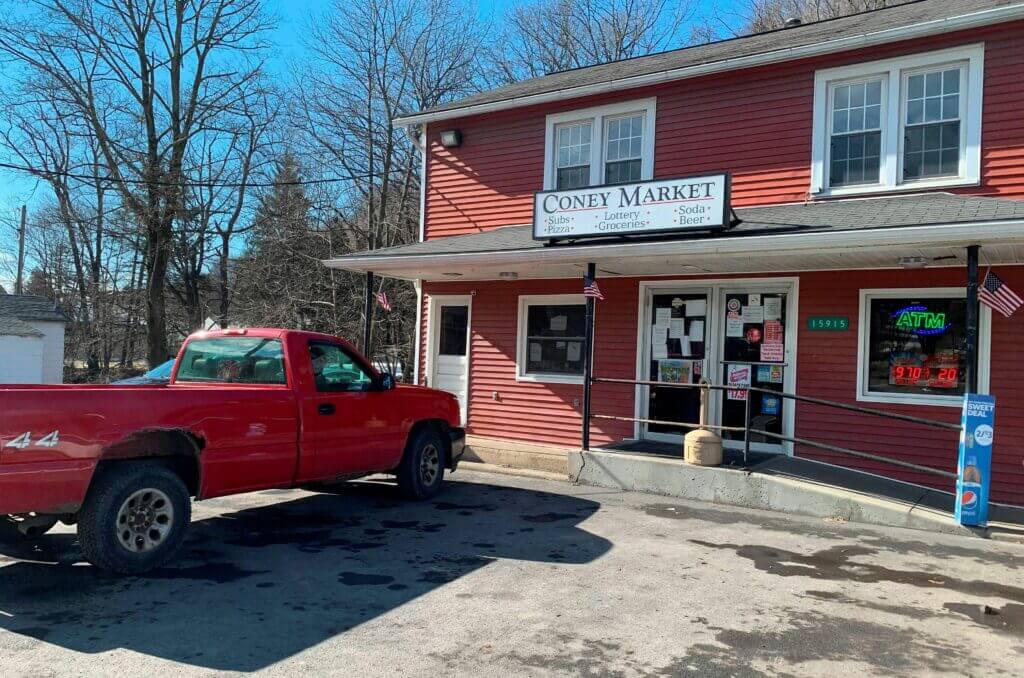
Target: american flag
x,y
590,289
995,294
382,299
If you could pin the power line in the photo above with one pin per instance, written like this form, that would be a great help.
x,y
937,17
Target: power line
x,y
35,171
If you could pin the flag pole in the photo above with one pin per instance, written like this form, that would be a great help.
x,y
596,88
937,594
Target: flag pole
x,y
971,319
588,357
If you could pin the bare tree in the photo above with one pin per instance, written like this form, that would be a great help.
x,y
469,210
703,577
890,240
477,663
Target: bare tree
x,y
372,61
545,36
147,78
767,15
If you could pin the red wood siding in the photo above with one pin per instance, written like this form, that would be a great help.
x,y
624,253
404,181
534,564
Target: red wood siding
x,y
755,123
826,368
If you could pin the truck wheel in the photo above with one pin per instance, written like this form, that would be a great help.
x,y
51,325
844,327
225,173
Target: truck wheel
x,y
421,471
134,518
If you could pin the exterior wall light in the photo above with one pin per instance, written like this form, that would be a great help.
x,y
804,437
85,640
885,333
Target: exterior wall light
x,y
913,262
451,138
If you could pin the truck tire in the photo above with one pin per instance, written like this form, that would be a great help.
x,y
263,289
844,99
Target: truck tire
x,y
134,518
421,471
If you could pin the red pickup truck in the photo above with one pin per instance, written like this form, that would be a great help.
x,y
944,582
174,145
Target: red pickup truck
x,y
244,410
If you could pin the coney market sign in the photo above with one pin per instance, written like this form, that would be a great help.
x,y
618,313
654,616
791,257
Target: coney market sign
x,y
662,206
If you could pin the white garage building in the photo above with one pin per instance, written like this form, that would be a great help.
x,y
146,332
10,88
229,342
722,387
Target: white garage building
x,y
31,340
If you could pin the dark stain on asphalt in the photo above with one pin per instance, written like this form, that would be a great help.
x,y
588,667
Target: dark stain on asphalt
x,y
449,506
809,636
218,573
909,611
1009,618
414,525
362,579
834,563
549,517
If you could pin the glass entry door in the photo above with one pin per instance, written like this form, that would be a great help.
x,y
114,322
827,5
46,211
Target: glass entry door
x,y
676,351
754,333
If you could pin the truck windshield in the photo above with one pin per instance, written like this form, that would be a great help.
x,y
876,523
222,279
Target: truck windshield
x,y
233,360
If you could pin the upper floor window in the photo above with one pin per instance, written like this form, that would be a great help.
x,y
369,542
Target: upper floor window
x,y
908,122
604,145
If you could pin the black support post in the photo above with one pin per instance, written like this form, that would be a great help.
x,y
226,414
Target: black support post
x,y
972,319
368,315
588,359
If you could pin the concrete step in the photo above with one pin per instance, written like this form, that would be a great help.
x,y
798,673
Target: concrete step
x,y
867,499
511,471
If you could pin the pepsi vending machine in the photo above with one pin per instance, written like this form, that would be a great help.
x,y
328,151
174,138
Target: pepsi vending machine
x,y
974,469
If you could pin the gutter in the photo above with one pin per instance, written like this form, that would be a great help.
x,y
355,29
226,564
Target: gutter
x,y
938,234
934,27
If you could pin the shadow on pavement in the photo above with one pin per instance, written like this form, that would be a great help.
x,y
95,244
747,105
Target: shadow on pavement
x,y
258,585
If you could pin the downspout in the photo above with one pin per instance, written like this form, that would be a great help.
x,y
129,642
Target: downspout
x,y
419,140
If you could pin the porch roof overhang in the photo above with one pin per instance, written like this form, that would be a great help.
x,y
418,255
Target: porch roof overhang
x,y
868,233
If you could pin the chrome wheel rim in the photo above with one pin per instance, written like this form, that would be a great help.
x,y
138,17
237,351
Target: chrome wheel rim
x,y
430,464
145,520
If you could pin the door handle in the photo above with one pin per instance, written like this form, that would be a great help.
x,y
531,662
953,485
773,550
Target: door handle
x,y
325,408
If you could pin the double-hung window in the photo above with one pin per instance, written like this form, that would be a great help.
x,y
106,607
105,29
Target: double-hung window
x,y
611,144
898,124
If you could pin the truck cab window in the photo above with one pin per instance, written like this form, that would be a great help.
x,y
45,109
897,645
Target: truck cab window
x,y
334,369
233,360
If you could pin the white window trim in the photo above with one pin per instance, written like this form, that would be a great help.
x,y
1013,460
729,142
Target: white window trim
x,y
894,70
521,341
597,116
864,330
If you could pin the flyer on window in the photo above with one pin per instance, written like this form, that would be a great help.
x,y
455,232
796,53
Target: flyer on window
x,y
675,371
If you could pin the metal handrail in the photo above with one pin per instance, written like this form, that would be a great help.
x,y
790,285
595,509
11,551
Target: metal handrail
x,y
747,430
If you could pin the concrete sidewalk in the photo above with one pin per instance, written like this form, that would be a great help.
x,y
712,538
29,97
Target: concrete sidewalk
x,y
790,485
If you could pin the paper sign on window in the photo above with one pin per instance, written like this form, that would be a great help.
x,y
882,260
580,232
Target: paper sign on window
x,y
559,323
772,353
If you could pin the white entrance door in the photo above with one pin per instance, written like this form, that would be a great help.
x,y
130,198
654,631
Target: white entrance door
x,y
449,347
742,330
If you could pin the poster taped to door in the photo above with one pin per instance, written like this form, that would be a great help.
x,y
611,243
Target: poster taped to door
x,y
773,308
772,352
753,314
696,307
734,326
675,371
675,328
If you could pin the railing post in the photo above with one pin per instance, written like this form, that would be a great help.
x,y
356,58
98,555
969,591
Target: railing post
x,y
971,319
588,359
746,428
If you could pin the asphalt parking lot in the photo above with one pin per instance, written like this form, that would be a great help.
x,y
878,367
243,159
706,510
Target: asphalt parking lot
x,y
514,576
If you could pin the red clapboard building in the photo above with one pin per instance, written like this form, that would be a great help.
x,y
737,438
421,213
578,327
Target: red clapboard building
x,y
799,210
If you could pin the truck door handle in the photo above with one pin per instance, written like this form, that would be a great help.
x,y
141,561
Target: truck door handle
x,y
325,408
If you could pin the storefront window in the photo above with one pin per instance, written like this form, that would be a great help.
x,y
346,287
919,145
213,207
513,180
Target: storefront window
x,y
915,346
551,338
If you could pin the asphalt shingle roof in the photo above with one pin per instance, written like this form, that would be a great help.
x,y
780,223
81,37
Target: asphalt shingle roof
x,y
820,32
12,327
926,209
30,307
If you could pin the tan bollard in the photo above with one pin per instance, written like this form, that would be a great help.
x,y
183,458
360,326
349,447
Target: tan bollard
x,y
701,447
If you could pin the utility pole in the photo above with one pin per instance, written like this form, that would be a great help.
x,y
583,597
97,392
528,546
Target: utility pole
x,y
19,282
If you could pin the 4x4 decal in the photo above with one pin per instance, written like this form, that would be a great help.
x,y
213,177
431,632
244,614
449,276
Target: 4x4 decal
x,y
24,441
